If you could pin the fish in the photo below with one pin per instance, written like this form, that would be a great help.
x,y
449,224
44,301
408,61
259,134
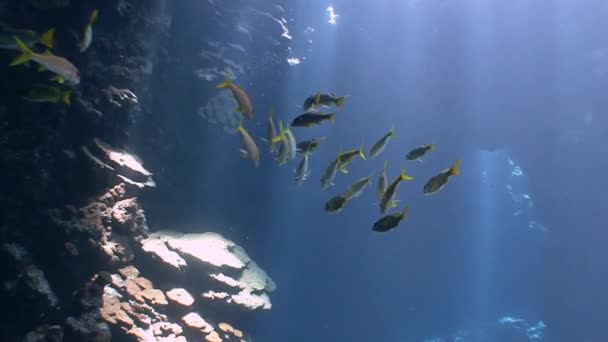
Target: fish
x,y
309,146
88,31
271,131
391,221
64,69
347,157
245,106
292,144
356,188
28,37
309,119
388,197
319,99
250,149
419,152
330,173
381,143
48,94
287,151
302,171
382,181
436,183
335,204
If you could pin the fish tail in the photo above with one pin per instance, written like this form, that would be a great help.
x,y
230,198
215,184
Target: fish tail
x,y
227,83
47,39
26,53
271,113
340,101
404,176
404,213
361,153
385,165
66,97
391,133
431,147
456,168
94,16
332,118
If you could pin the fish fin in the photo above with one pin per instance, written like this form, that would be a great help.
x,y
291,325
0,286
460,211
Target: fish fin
x,y
271,113
385,165
47,38
361,153
318,99
340,101
392,204
456,168
244,154
343,170
41,68
332,118
94,16
420,160
227,83
66,97
26,53
404,213
238,109
404,176
431,147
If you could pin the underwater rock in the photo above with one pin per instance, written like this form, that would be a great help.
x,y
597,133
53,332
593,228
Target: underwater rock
x,y
126,166
45,333
181,297
30,275
227,328
111,223
120,97
242,283
194,321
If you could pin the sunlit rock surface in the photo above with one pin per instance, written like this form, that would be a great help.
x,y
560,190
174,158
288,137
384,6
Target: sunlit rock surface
x,y
239,280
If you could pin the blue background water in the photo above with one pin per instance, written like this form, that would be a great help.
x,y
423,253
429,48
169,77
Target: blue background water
x,y
510,88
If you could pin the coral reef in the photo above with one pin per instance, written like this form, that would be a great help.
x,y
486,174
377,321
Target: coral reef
x,y
73,216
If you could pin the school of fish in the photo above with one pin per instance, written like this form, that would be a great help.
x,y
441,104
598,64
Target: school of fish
x,y
314,115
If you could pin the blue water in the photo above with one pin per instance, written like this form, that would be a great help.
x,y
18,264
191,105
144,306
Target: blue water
x,y
516,90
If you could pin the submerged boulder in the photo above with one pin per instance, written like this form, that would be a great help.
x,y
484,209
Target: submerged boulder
x,y
237,280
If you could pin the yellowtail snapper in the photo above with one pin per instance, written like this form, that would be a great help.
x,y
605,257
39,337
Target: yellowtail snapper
x,y
309,119
436,183
309,146
28,37
388,197
382,181
419,152
356,188
335,204
319,99
48,94
381,143
63,68
250,149
390,222
88,31
348,156
245,106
